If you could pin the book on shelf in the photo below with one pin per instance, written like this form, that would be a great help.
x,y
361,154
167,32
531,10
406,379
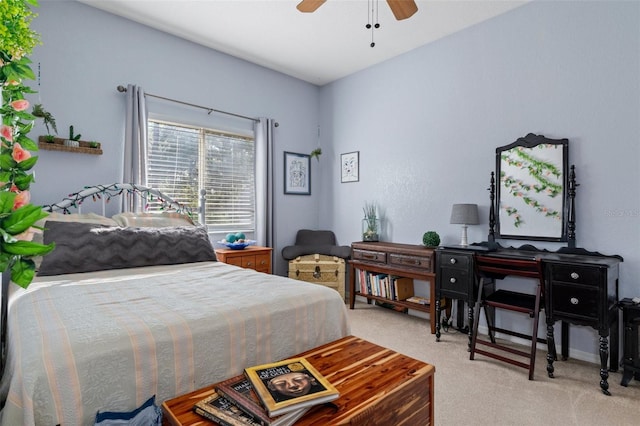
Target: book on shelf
x,y
219,409
289,385
383,285
239,391
418,299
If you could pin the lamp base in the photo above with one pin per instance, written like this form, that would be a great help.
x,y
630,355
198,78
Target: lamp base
x,y
463,240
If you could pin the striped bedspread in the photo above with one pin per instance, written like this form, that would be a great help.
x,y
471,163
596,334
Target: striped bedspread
x,y
109,340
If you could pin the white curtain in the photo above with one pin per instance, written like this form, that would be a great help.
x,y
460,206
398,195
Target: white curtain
x,y
135,142
264,182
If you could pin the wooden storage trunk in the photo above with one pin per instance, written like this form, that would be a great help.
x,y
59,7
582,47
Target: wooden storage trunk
x,y
320,269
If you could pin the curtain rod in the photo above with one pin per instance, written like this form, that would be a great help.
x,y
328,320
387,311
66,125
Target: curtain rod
x,y
123,89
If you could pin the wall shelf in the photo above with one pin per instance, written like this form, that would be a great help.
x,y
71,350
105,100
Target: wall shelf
x,y
58,145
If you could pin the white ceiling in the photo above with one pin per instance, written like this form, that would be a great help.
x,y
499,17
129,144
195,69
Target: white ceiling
x,y
318,47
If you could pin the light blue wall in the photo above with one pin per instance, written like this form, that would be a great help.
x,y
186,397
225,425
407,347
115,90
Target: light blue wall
x,y
427,123
87,53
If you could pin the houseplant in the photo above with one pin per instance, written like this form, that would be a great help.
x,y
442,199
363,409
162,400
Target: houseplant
x,y
17,214
370,223
48,120
73,140
431,239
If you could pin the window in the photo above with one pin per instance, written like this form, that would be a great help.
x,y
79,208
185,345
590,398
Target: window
x,y
183,159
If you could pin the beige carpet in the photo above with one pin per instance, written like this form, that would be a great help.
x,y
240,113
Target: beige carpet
x,y
490,392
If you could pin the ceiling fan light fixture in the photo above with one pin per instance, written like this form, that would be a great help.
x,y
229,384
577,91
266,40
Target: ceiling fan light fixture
x,y
402,9
309,6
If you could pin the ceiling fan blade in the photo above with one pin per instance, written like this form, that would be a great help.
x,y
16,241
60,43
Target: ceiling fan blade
x,y
308,6
402,9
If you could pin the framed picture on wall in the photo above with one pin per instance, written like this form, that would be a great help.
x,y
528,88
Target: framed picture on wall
x,y
350,167
297,174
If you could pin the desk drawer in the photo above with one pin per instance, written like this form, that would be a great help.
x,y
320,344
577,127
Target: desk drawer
x,y
575,300
370,255
576,274
452,260
454,280
411,261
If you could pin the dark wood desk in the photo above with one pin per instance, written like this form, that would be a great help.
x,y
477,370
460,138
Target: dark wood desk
x,y
580,288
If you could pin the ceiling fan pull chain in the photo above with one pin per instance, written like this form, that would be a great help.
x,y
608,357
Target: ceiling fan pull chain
x,y
372,9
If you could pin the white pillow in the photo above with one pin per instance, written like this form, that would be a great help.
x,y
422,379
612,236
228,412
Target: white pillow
x,y
153,220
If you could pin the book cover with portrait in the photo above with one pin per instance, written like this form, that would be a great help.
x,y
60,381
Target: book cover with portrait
x,y
240,392
290,385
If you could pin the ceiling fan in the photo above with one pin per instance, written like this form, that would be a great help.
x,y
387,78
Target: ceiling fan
x,y
402,9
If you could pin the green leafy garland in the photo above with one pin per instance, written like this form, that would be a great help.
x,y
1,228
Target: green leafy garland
x,y
17,214
540,171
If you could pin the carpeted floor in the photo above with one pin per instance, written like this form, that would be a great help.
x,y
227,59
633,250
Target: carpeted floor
x,y
489,392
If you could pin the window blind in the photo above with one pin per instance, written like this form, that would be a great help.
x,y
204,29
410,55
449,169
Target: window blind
x,y
183,160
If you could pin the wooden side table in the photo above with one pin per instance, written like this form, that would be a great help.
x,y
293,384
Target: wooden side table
x,y
252,257
402,260
378,387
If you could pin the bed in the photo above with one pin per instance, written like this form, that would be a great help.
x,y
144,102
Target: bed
x,y
84,339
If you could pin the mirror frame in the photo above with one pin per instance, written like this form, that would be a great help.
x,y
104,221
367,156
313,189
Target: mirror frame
x,y
534,193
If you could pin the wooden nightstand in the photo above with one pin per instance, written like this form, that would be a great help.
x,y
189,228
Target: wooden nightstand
x,y
252,257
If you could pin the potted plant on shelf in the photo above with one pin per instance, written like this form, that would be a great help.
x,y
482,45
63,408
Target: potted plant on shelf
x,y
74,140
17,214
370,223
39,112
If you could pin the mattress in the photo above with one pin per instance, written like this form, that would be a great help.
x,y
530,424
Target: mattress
x,y
108,340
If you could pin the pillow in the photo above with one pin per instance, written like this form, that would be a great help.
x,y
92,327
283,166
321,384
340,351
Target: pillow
x,y
148,414
73,217
86,247
153,220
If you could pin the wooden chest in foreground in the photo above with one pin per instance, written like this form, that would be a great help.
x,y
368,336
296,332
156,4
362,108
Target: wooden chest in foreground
x,y
378,387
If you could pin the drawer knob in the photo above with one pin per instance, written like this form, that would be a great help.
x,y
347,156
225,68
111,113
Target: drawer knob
x,y
452,261
452,280
574,300
575,275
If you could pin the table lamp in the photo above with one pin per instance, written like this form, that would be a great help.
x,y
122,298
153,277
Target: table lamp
x,y
465,214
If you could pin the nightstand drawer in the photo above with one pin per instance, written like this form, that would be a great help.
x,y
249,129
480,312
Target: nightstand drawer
x,y
576,274
370,255
263,262
253,257
575,300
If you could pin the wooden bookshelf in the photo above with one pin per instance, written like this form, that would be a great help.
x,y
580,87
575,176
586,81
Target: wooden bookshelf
x,y
401,260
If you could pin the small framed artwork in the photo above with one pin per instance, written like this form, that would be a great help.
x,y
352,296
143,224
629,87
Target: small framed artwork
x,y
350,167
297,174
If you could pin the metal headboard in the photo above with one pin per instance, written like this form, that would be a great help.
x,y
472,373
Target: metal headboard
x,y
105,193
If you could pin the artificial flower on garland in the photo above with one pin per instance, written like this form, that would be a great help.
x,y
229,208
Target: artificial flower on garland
x,y
17,214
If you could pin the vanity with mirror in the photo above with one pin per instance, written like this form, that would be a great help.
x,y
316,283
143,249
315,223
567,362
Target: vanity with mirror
x,y
532,198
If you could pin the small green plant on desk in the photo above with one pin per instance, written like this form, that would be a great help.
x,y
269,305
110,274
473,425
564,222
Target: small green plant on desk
x,y
93,144
431,239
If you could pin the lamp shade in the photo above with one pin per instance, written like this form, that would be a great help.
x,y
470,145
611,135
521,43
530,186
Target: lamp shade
x,y
465,214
